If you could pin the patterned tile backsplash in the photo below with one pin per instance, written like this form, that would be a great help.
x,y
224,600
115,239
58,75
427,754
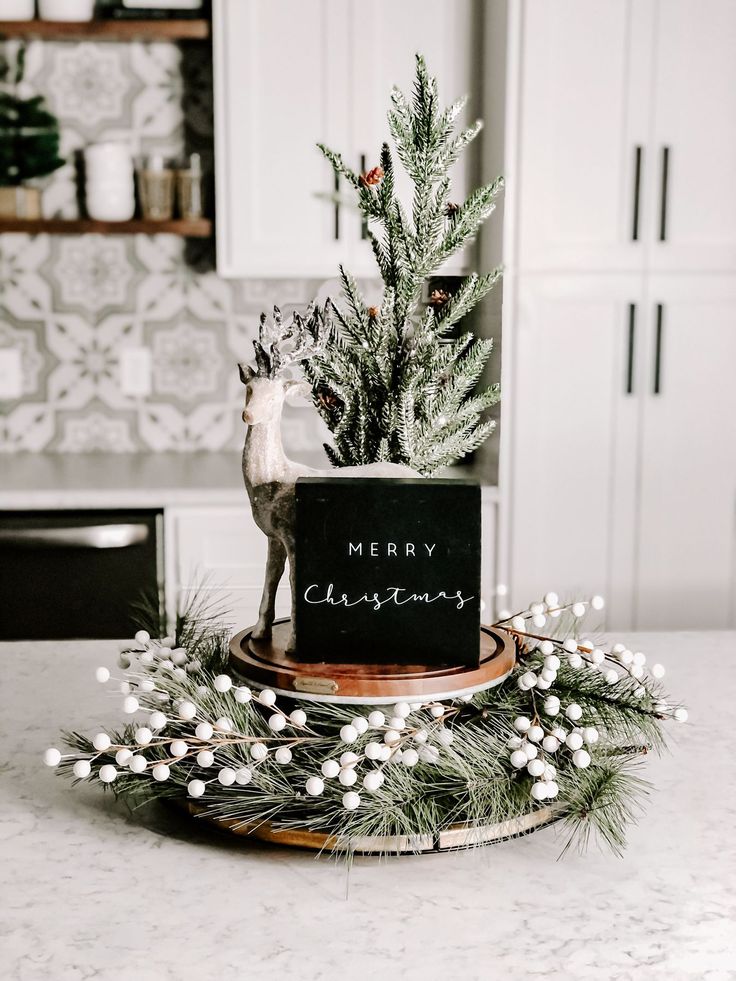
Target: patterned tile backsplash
x,y
72,304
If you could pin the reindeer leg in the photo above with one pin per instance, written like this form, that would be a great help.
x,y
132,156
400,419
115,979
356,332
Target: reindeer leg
x,y
274,571
291,646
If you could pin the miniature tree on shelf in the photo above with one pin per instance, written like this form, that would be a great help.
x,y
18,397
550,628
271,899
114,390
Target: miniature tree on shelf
x,y
395,383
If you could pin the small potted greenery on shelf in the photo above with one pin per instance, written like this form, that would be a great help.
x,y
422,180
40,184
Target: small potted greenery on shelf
x,y
29,143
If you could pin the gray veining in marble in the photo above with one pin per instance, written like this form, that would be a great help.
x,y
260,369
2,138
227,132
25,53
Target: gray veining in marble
x,y
90,891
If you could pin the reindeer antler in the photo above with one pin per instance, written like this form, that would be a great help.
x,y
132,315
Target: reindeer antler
x,y
281,345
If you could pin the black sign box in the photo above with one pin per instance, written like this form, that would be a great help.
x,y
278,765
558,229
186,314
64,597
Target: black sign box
x,y
388,570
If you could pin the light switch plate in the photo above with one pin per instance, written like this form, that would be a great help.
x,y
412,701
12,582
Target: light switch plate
x,y
11,373
135,371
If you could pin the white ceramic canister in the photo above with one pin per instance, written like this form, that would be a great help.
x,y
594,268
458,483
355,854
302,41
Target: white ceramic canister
x,y
17,9
67,10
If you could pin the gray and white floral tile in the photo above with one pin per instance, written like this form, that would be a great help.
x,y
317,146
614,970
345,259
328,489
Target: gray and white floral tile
x,y
72,304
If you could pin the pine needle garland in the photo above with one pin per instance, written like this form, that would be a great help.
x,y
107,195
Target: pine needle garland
x,y
352,771
402,384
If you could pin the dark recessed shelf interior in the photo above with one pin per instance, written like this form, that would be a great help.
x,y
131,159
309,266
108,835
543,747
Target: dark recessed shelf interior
x,y
197,228
107,30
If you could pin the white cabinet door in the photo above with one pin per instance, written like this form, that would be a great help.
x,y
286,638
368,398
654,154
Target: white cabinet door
x,y
687,524
582,163
280,87
383,48
571,405
694,136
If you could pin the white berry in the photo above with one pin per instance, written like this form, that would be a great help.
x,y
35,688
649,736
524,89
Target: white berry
x,y
574,712
373,780
298,718
267,697
402,709
123,757
243,776
226,776
680,715
552,789
195,788
518,759
102,675
161,771
52,756
550,744
578,609
397,722
539,790
421,736
590,735
574,741
82,769
531,751
331,768
376,719
551,599
535,768
348,734
347,777
391,737
205,758
107,773
597,602
101,741
179,748
437,711
351,800
581,758
130,704
276,723
224,724
535,734
187,711
552,705
142,637
513,743
547,648
410,757
522,724
658,671
204,731
315,786
137,763
243,694
258,751
373,751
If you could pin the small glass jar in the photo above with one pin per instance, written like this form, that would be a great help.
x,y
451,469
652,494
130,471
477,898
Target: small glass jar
x,y
156,190
189,189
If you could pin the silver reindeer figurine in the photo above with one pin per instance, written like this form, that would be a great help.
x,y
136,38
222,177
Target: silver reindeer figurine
x,y
268,473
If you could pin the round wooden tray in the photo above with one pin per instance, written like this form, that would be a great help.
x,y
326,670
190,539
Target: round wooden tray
x,y
266,662
455,837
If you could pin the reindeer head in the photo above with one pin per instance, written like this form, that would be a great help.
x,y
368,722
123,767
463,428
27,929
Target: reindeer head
x,y
280,346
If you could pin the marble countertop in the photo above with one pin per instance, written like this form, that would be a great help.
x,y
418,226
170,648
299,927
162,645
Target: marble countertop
x,y
91,890
48,481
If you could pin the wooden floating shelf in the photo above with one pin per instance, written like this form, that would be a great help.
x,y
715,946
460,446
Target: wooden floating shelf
x,y
107,30
199,228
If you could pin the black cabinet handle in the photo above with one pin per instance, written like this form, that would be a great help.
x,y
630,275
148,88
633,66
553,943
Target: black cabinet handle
x,y
336,188
630,352
663,194
364,223
89,536
657,388
638,162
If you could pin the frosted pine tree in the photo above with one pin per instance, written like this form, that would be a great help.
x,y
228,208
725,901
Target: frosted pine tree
x,y
395,382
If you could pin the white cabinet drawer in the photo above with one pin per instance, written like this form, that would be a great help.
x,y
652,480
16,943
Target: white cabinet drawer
x,y
223,546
